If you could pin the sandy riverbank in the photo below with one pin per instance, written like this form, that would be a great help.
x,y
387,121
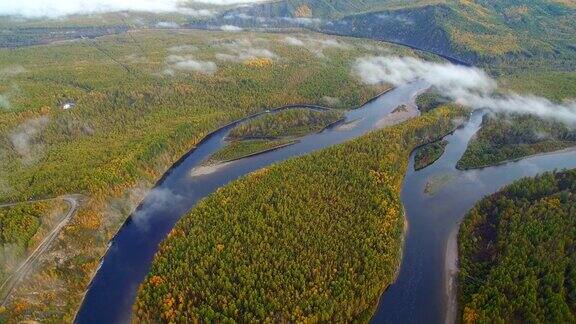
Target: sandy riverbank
x,y
451,276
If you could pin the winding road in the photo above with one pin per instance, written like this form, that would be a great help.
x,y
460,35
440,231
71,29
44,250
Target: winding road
x,y
28,264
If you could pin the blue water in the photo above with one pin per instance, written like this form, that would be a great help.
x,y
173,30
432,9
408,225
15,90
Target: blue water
x,y
113,290
424,290
421,291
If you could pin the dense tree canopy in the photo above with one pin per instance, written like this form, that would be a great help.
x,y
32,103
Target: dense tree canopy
x,y
316,238
428,154
291,122
504,138
518,253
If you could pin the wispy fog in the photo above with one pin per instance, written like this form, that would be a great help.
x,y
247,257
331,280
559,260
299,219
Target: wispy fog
x,y
10,71
316,45
24,139
4,102
469,86
244,49
156,200
190,64
230,28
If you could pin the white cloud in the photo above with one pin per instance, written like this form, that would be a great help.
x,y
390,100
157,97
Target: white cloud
x,y
11,71
331,101
59,8
4,102
183,48
156,200
189,63
316,45
302,21
469,86
230,28
293,41
167,24
242,50
24,136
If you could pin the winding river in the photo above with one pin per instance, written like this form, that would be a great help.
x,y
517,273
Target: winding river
x,y
113,290
424,290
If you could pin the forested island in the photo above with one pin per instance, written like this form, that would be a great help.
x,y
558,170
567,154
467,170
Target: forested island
x,y
504,138
239,149
287,123
428,154
517,251
273,131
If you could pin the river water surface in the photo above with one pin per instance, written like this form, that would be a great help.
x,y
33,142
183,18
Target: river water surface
x,y
424,291
113,290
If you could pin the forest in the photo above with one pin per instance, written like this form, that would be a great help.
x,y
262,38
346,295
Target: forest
x,y
527,46
290,122
517,252
429,100
272,131
428,154
21,228
239,149
142,100
503,138
316,238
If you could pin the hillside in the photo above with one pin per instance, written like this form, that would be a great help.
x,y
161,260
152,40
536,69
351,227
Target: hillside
x,y
503,33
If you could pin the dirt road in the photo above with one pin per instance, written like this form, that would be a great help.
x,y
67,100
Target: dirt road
x,y
28,264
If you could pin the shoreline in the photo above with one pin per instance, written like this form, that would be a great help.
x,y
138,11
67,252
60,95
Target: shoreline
x,y
451,275
509,161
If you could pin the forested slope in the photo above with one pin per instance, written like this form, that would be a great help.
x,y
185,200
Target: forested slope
x,y
316,238
481,32
517,253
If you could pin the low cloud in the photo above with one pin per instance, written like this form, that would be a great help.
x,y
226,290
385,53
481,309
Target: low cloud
x,y
468,86
136,58
331,101
11,71
188,63
5,98
274,21
396,18
24,139
60,8
302,21
316,45
156,200
167,24
230,28
4,102
293,41
183,48
243,50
